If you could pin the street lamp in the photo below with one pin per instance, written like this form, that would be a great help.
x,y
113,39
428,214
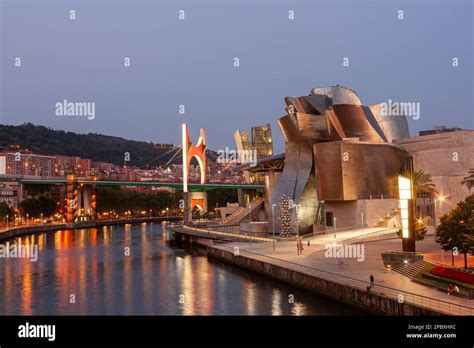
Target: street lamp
x,y
273,224
441,198
297,207
8,216
27,215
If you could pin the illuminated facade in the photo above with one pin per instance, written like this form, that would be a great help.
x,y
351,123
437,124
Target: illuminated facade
x,y
447,155
339,158
260,141
27,164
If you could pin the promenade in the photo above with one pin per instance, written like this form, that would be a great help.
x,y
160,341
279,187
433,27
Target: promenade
x,y
25,229
314,257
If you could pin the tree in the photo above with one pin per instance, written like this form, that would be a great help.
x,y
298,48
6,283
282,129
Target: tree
x,y
5,211
30,207
422,182
46,205
39,206
122,200
420,231
220,197
469,180
456,229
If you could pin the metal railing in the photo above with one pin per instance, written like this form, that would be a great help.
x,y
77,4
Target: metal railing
x,y
430,303
373,236
241,234
226,228
329,231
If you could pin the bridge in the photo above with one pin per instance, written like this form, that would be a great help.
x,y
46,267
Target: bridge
x,y
81,195
177,185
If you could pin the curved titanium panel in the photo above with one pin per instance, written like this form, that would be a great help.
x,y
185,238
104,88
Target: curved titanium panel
x,y
313,127
328,91
289,128
295,179
352,170
344,95
394,127
355,124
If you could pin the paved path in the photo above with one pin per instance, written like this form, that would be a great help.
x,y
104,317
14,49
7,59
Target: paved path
x,y
314,256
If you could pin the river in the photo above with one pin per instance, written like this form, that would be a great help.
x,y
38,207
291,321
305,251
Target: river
x,y
135,270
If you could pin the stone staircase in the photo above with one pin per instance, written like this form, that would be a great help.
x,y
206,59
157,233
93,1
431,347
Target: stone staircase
x,y
241,213
412,269
382,222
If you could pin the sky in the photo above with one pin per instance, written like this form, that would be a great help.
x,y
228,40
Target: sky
x,y
190,62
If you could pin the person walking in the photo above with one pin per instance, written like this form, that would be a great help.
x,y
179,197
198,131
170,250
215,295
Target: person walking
x,y
297,247
301,246
371,278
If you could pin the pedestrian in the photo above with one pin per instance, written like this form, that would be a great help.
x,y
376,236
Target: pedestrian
x,y
308,242
301,246
371,278
297,247
450,289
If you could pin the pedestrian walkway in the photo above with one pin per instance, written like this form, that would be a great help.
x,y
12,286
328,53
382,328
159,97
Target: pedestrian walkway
x,y
314,256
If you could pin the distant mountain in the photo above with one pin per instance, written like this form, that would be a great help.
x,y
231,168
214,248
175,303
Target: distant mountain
x,y
97,147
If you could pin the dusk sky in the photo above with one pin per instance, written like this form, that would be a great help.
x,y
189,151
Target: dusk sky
x,y
191,62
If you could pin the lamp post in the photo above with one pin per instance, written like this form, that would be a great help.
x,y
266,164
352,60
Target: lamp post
x,y
297,207
441,198
27,215
273,224
8,217
362,221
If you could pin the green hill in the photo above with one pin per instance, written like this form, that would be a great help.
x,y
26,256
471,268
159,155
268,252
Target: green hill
x,y
97,147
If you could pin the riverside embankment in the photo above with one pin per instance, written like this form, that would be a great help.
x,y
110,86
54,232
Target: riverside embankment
x,y
18,231
355,292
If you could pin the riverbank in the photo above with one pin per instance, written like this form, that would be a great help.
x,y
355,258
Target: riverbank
x,y
19,231
345,283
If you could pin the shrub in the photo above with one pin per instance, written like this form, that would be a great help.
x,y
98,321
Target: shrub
x,y
451,273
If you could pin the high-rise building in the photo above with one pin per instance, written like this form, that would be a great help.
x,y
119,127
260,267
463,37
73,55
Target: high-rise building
x,y
262,141
17,163
258,144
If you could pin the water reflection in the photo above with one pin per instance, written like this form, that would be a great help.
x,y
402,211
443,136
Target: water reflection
x,y
132,270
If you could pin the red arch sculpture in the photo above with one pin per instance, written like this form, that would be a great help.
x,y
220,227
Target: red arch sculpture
x,y
189,151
